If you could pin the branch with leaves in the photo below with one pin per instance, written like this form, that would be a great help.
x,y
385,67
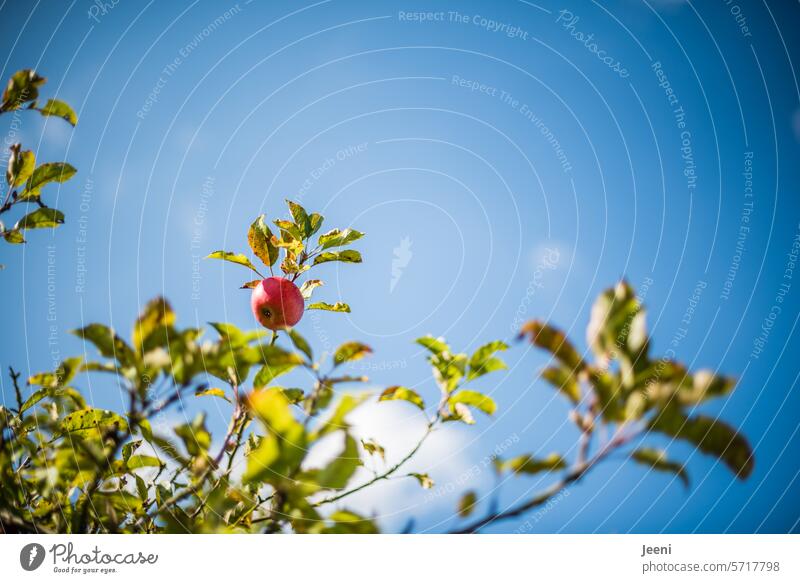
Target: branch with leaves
x,y
24,179
624,394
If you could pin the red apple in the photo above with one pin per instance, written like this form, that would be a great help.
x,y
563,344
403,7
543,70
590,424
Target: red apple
x,y
276,303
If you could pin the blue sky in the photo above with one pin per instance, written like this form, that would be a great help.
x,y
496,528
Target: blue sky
x,y
524,172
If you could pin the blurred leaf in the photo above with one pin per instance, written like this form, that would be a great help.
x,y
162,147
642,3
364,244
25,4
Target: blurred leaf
x,y
338,238
41,218
617,325
337,474
350,351
608,390
404,394
337,307
212,392
563,380
435,345
346,256
467,504
553,340
268,373
308,287
108,343
657,459
195,436
65,372
251,284
260,239
300,343
59,109
372,447
527,464
129,448
704,385
448,370
424,480
483,361
152,325
710,436
346,522
294,396
474,399
239,259
280,452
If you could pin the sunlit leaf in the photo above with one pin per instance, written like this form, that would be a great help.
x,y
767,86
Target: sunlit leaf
x,y
41,218
346,256
563,380
403,394
260,239
527,464
424,480
60,109
350,351
551,339
337,307
237,258
467,504
338,238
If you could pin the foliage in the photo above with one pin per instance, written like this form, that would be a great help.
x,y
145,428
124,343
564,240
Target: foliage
x,y
619,399
24,179
66,466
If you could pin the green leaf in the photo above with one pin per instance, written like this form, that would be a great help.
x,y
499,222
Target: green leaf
x,y
195,436
290,234
129,448
143,461
308,287
467,504
483,361
65,372
59,109
20,166
337,307
710,436
88,422
281,450
346,522
657,459
435,345
239,259
399,393
563,380
108,343
337,474
527,464
13,236
338,238
474,399
212,392
151,328
609,391
22,87
617,323
350,351
300,218
300,343
41,218
553,340
346,256
448,370
315,220
268,373
424,480
294,396
260,239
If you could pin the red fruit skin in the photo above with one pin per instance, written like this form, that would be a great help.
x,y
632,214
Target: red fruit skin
x,y
277,303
